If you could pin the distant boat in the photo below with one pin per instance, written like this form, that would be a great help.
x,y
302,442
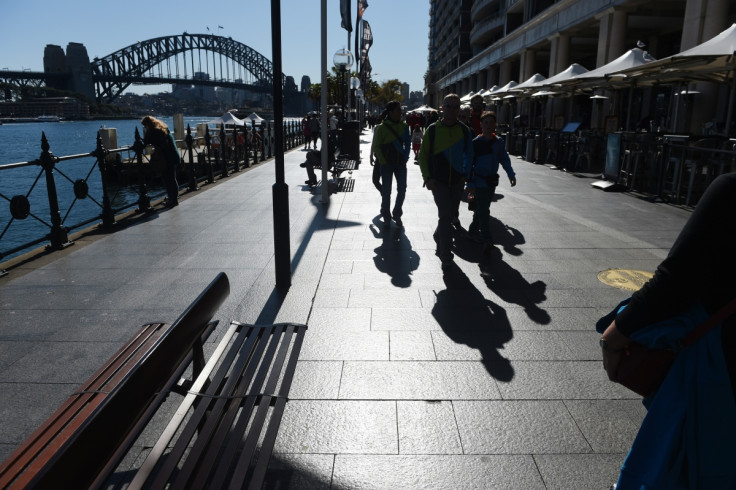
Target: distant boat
x,y
45,118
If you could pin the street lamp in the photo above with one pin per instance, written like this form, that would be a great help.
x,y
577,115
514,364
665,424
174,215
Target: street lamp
x,y
354,85
343,61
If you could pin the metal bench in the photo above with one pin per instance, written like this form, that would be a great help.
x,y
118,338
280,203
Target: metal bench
x,y
223,431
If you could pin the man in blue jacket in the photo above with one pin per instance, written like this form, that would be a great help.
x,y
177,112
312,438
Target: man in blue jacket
x,y
391,147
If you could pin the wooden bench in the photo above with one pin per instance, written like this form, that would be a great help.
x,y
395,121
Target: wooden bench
x,y
223,431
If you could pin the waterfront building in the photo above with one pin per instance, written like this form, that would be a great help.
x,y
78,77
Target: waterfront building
x,y
475,45
62,107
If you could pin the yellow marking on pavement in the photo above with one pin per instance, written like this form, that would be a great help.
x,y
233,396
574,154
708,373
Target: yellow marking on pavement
x,y
628,279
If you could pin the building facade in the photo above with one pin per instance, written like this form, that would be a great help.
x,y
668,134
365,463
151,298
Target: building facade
x,y
475,45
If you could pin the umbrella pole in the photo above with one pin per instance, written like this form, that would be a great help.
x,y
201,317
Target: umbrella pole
x,y
628,110
677,108
730,103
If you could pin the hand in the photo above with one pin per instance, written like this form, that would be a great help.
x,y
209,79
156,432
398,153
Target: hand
x,y
431,184
513,181
617,343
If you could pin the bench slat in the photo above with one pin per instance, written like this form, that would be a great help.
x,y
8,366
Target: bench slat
x,y
212,438
239,394
279,403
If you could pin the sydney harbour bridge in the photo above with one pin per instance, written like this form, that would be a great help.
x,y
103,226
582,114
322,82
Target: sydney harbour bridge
x,y
190,59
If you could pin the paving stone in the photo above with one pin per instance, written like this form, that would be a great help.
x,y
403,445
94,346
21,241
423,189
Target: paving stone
x,y
300,471
555,380
427,428
517,427
579,471
417,380
438,472
329,320
345,346
411,346
316,380
608,425
344,426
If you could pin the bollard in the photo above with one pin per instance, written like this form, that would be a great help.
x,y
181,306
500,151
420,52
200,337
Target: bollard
x,y
108,215
57,235
190,146
208,144
144,202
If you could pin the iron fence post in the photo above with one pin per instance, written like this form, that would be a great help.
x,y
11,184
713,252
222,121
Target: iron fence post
x,y
144,202
246,155
223,152
108,215
235,150
57,235
190,147
208,143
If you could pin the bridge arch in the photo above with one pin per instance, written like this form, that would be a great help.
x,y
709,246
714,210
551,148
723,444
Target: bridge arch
x,y
136,63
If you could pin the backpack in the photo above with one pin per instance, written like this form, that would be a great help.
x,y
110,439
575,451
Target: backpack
x,y
440,167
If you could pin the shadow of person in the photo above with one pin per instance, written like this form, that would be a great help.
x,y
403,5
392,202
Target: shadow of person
x,y
470,319
509,285
394,256
507,237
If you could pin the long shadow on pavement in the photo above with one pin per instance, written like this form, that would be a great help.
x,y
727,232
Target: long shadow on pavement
x,y
468,318
394,256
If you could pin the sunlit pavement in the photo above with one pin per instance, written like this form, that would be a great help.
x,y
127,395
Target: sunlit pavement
x,y
486,376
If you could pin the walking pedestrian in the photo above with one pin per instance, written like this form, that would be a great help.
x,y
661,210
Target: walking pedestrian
x,y
444,158
416,141
306,131
157,134
314,128
391,147
476,111
488,152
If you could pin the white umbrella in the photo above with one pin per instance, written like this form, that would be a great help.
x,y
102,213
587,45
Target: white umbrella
x,y
423,109
255,117
228,120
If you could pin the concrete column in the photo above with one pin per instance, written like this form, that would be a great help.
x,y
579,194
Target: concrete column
x,y
492,78
527,64
505,75
703,20
482,82
611,37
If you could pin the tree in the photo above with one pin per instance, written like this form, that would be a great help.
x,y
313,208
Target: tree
x,y
385,93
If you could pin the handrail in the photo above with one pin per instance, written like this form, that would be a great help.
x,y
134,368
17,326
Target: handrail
x,y
114,181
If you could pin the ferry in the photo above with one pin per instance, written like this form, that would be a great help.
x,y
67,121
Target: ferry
x,y
46,118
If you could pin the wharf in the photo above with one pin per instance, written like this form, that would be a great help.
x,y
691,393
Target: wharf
x,y
486,377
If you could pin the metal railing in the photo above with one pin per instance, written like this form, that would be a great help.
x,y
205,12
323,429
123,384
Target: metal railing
x,y
97,186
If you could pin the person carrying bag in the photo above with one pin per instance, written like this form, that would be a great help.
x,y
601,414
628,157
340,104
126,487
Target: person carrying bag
x,y
687,437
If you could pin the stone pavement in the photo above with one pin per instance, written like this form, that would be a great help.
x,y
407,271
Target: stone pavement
x,y
488,376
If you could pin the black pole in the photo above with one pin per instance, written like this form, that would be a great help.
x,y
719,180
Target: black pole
x,y
281,238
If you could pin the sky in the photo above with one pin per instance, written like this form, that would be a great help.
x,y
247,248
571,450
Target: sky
x,y
400,31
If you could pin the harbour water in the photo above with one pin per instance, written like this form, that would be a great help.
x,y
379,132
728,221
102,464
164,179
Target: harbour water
x,y
22,143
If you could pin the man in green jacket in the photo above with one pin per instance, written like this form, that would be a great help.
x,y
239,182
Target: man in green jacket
x,y
445,159
391,147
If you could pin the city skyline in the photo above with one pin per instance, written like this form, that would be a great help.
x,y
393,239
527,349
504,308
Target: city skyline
x,y
403,57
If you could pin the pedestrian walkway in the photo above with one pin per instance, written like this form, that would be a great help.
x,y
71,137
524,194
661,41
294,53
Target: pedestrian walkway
x,y
488,376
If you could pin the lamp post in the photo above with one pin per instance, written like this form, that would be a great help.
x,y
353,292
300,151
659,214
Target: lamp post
x,y
343,61
354,85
